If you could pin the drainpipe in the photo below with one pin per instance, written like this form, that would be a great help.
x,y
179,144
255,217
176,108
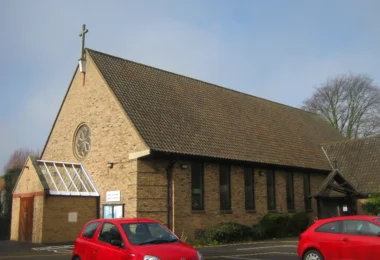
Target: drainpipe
x,y
169,171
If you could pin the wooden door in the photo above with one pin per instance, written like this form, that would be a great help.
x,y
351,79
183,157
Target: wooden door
x,y
26,219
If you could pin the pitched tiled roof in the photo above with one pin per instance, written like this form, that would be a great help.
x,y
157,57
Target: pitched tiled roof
x,y
181,115
359,161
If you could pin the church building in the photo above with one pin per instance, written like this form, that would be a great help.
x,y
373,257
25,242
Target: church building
x,y
131,140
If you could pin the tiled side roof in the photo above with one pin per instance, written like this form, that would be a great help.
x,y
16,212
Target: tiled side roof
x,y
359,161
178,114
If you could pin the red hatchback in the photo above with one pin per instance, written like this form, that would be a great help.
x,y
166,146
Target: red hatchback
x,y
343,238
137,239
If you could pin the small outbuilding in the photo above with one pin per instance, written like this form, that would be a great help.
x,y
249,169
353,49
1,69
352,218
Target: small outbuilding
x,y
52,201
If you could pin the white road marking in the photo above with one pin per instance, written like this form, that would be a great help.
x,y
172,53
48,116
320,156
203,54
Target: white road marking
x,y
240,258
65,249
265,247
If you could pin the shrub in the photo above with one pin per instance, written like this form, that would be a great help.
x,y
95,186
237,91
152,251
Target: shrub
x,y
298,223
4,227
258,231
276,224
372,206
226,233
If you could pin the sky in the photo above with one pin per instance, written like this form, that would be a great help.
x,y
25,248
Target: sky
x,y
278,50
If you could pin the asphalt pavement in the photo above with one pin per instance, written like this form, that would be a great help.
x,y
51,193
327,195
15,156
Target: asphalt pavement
x,y
282,249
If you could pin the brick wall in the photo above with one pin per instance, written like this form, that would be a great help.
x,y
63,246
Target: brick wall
x,y
112,137
27,185
152,177
15,218
56,227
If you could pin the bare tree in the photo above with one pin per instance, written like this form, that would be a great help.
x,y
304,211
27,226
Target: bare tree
x,y
18,158
351,103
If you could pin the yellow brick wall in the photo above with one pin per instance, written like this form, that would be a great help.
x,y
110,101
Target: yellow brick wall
x,y
112,137
29,181
56,227
38,219
15,218
152,177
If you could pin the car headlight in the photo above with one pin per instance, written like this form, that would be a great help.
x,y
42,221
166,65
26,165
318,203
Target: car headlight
x,y
200,257
150,257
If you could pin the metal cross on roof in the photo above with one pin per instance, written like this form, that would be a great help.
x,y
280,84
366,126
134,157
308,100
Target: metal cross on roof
x,y
82,34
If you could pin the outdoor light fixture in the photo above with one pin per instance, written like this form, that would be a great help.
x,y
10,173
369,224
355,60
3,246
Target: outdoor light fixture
x,y
261,172
183,166
110,165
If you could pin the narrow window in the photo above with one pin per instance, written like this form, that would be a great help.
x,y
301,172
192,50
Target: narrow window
x,y
225,189
306,188
271,190
197,186
113,211
249,189
290,191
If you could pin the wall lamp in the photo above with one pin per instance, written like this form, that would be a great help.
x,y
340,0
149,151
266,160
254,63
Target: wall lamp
x,y
261,172
110,165
183,166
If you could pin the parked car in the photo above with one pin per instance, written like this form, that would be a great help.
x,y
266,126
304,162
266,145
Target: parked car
x,y
137,239
343,238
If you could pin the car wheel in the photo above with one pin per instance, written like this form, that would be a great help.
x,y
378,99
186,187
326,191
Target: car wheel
x,y
312,255
76,258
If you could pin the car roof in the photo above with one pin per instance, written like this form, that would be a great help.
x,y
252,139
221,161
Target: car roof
x,y
126,220
360,217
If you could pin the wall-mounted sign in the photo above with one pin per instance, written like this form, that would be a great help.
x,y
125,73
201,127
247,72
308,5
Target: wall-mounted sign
x,y
73,216
113,196
345,209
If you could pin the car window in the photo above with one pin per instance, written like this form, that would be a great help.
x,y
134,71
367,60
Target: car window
x,y
90,230
141,233
360,227
330,227
109,232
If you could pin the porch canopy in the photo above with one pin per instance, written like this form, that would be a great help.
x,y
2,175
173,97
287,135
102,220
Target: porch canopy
x,y
65,178
336,183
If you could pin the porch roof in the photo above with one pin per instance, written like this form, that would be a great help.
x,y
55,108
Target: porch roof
x,y
65,178
335,181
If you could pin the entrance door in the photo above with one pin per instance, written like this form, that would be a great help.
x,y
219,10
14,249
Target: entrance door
x,y
26,219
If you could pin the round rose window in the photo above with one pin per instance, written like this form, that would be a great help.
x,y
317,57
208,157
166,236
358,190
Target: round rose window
x,y
82,141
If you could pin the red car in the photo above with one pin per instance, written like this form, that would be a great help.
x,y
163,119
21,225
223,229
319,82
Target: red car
x,y
343,238
137,239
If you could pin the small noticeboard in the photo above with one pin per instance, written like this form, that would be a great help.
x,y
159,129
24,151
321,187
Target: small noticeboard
x,y
113,196
73,216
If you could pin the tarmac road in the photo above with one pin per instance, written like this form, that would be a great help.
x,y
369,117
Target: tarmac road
x,y
265,250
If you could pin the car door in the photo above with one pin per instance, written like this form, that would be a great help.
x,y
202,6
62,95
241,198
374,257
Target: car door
x,y
328,237
104,249
361,241
85,244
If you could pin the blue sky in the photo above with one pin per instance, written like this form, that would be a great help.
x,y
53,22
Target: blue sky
x,y
279,50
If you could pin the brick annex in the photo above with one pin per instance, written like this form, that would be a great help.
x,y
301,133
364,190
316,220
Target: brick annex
x,y
130,140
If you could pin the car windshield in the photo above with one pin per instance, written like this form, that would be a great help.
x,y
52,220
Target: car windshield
x,y
377,219
148,233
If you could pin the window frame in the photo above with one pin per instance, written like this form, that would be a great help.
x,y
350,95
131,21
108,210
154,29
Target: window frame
x,y
88,225
290,188
271,194
113,210
307,192
103,241
201,177
340,227
226,167
249,190
358,231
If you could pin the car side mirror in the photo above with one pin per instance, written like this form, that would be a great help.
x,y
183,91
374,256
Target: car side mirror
x,y
115,242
